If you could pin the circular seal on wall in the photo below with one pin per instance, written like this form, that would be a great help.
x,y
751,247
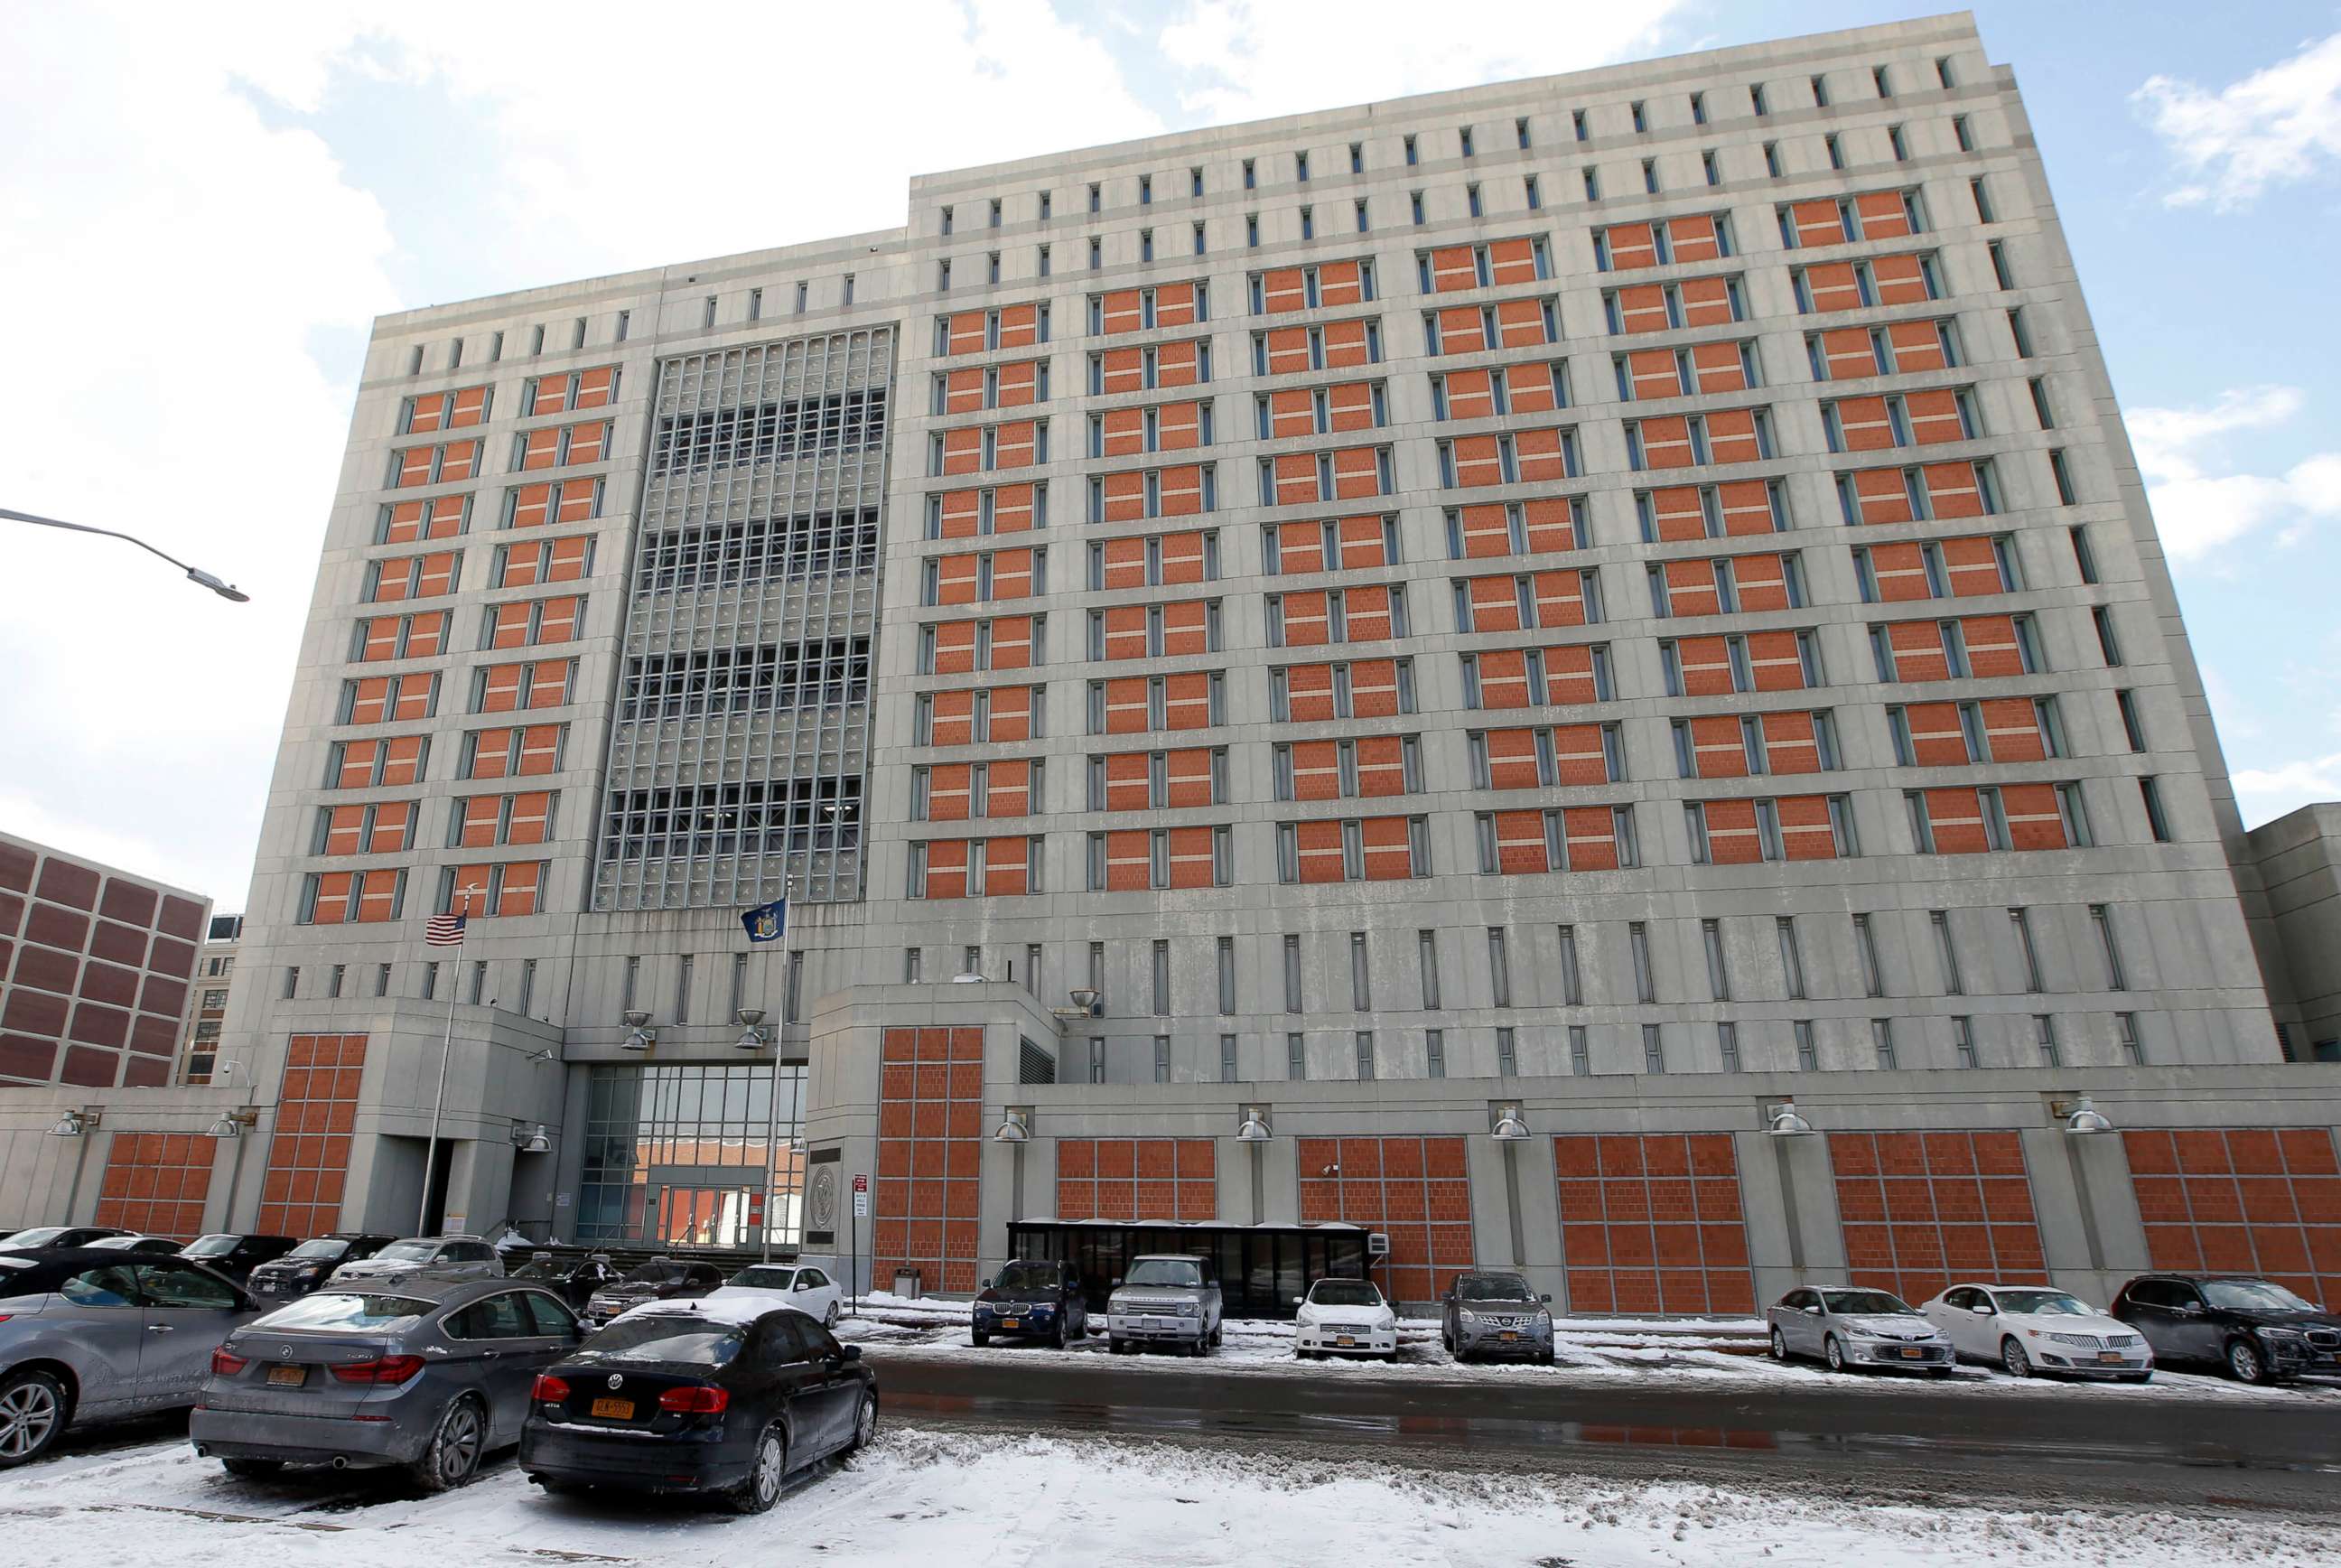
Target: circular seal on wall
x,y
820,1197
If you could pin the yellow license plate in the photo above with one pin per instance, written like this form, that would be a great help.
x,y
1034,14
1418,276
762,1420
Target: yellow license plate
x,y
2112,1357
1913,1353
1012,1322
287,1376
1344,1339
614,1409
1507,1333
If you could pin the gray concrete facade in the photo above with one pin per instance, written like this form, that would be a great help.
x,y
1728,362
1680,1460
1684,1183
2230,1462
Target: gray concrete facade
x,y
2132,948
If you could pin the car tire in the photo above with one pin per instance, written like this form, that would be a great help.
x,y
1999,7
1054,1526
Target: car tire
x,y
2246,1364
1218,1333
865,1424
977,1338
1202,1345
1057,1340
2012,1359
831,1320
1446,1342
252,1469
33,1413
762,1489
1779,1345
1114,1346
1545,1358
1832,1354
457,1444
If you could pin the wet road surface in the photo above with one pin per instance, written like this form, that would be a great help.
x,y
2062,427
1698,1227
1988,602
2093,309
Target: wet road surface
x,y
2031,1446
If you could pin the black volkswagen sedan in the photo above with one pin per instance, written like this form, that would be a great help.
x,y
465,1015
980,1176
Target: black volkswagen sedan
x,y
721,1398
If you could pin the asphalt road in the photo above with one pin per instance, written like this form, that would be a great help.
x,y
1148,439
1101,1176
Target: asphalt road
x,y
1904,1441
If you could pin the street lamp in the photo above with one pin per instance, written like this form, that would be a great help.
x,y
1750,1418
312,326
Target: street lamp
x,y
195,574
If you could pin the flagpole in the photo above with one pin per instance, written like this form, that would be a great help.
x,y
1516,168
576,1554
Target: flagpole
x,y
439,1105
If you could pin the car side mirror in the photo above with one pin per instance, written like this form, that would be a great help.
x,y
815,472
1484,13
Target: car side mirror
x,y
2189,1309
1299,1301
1981,1308
853,1352
987,1283
1814,1310
1117,1283
1546,1298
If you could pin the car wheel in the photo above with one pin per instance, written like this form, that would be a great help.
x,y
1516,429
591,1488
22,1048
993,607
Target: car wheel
x,y
252,1469
1219,1330
1202,1345
452,1457
1779,1345
1545,1358
2012,1357
977,1338
2244,1361
1446,1342
757,1493
1832,1354
1057,1340
865,1423
1113,1344
33,1412
831,1320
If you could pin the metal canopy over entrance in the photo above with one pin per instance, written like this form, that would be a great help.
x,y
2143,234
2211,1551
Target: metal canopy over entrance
x,y
1262,1268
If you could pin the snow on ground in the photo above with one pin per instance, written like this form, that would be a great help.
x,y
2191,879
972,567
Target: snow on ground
x,y
921,1498
1583,1349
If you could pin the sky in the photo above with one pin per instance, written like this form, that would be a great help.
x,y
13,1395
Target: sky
x,y
202,208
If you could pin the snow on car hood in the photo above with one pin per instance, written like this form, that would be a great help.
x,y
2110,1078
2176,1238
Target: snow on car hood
x,y
1891,1325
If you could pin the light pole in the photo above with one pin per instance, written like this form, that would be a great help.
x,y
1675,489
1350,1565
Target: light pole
x,y
195,574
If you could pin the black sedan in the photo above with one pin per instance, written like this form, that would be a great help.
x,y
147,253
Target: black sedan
x,y
722,1398
568,1276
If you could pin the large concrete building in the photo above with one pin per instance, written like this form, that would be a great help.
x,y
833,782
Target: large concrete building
x,y
1587,608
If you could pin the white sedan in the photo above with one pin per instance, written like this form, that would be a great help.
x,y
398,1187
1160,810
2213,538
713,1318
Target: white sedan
x,y
808,1289
1344,1317
2029,1329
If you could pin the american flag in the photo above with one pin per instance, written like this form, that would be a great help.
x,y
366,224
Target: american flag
x,y
446,929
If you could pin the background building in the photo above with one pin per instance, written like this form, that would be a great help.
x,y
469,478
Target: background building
x,y
207,1009
1601,603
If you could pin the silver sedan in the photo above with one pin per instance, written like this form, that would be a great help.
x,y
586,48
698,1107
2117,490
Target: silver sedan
x,y
1854,1329
427,1374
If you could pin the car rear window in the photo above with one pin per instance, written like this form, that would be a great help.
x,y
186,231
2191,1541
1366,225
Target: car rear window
x,y
347,1309
689,1340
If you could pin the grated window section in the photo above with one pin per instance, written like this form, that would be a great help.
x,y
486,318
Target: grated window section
x,y
740,737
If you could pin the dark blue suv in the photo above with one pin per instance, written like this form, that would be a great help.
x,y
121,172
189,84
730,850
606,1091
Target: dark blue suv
x,y
1033,1301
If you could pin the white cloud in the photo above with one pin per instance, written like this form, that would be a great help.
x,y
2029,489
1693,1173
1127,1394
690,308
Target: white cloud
x,y
1247,61
2275,127
2263,795
2197,510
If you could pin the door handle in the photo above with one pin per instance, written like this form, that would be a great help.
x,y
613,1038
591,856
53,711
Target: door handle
x,y
161,1328
489,1355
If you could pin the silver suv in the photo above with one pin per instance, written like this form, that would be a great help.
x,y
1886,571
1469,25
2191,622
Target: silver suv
x,y
433,1257
1167,1298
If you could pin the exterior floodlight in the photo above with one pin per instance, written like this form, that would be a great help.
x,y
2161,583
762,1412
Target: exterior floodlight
x,y
1085,999
1255,1128
2082,1118
231,1123
753,1036
537,1143
1509,1126
1782,1122
74,1124
1011,1129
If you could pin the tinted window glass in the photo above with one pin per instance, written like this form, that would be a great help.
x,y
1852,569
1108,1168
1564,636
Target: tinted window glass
x,y
661,1338
1346,1293
552,1317
652,1273
1165,1272
499,1316
1029,1276
766,1279
1491,1288
347,1309
1864,1302
818,1343
407,1253
105,1287
813,1277
783,1342
704,1275
2053,1303
167,1287
545,1269
2254,1295
322,1247
211,1246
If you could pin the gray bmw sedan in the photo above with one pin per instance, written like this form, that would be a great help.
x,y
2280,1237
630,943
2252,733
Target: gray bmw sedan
x,y
427,1374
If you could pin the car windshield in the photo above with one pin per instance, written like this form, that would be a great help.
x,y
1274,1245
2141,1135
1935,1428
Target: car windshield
x,y
650,1274
322,1247
1164,1271
407,1253
1863,1303
545,1269
120,1243
1346,1293
1028,1277
1491,1288
208,1247
655,1338
2047,1303
349,1310
764,1279
40,1236
2253,1295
